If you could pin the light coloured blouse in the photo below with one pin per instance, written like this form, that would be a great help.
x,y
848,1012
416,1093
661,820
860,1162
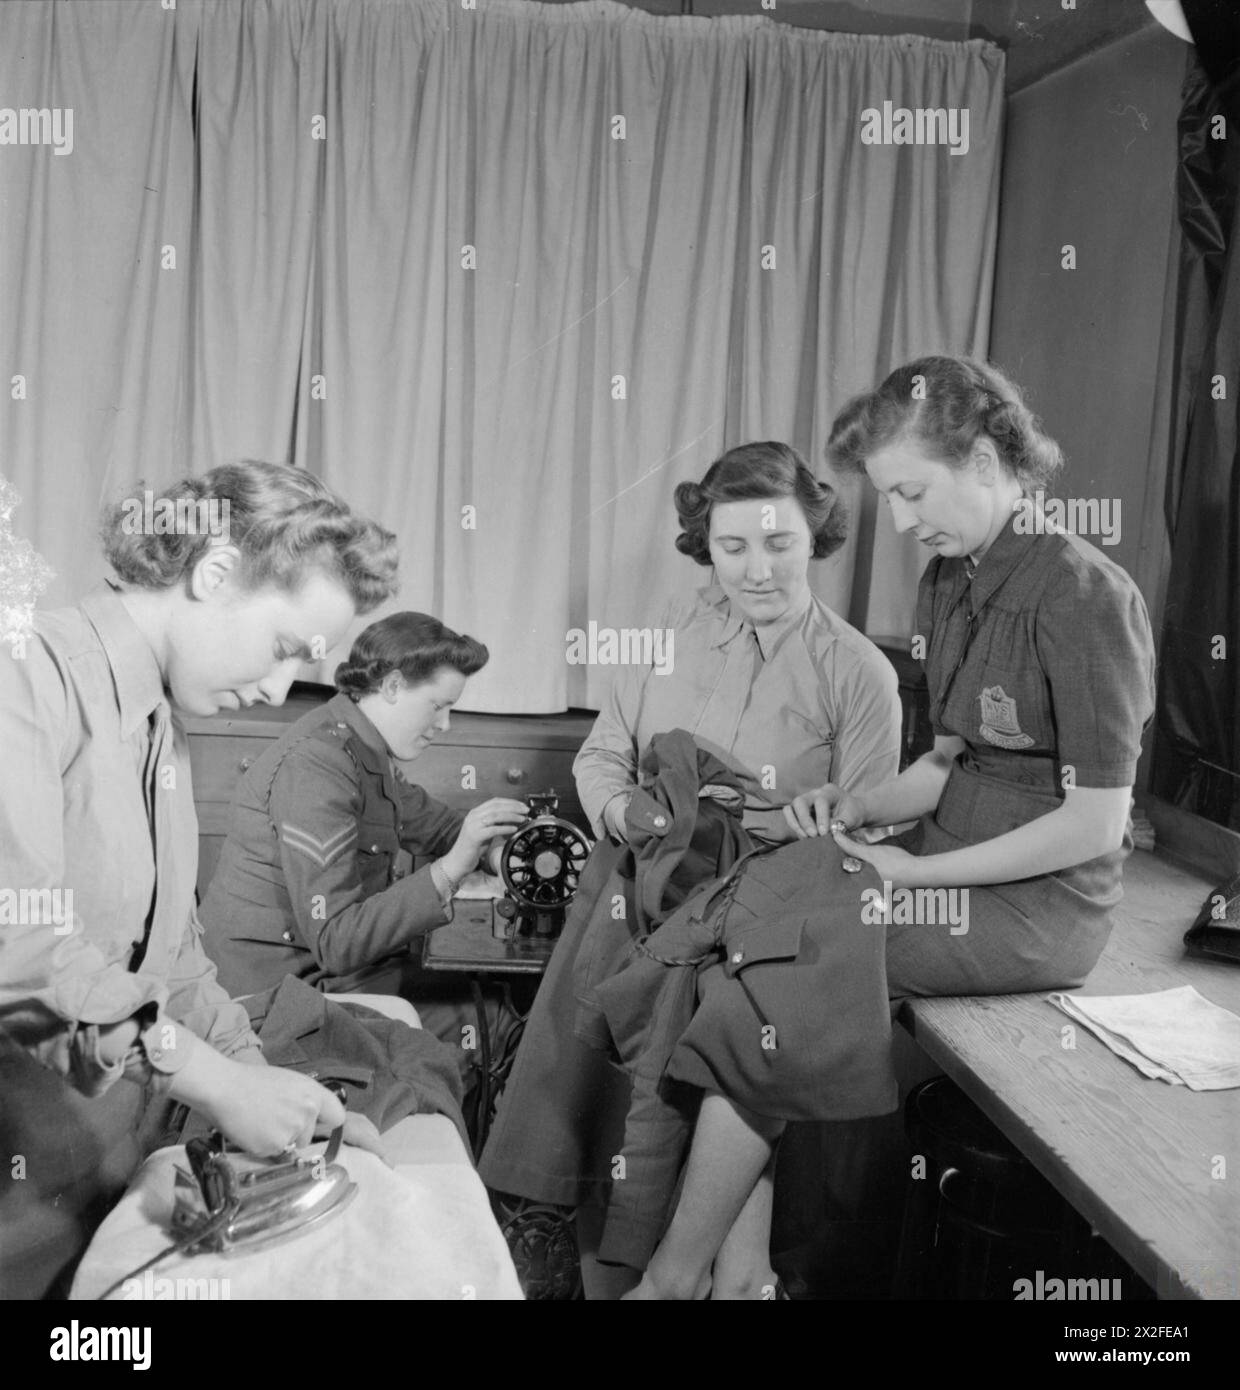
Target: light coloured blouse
x,y
788,705
85,941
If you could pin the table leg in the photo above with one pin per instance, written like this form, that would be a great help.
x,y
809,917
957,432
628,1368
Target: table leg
x,y
482,1112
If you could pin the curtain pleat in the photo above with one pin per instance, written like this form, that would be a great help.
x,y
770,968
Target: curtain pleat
x,y
503,276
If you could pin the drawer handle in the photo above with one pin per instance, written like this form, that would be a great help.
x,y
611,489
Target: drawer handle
x,y
515,775
246,764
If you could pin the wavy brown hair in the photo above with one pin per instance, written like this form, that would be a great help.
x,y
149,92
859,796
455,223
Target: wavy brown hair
x,y
946,404
753,472
415,644
284,522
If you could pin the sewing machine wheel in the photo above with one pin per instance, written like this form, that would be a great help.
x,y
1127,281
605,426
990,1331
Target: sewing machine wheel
x,y
542,862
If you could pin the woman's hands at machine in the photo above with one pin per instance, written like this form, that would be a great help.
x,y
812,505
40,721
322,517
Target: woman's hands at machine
x,y
498,817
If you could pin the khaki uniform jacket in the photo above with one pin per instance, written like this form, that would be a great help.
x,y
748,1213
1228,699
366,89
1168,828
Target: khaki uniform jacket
x,y
316,877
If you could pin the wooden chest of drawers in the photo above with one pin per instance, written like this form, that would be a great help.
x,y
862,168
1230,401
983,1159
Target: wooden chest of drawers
x,y
482,755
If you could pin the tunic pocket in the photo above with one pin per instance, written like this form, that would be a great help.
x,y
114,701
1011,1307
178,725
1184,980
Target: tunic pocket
x,y
755,943
375,871
377,848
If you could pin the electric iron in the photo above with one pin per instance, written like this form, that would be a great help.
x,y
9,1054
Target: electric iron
x,y
232,1203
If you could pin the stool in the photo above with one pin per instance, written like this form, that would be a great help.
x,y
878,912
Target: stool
x,y
982,1216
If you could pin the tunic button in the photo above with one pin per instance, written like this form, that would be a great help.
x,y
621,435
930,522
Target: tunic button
x,y
660,822
737,957
374,849
288,936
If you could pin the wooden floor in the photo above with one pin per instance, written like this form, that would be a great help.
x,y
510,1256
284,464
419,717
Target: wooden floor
x,y
1138,1158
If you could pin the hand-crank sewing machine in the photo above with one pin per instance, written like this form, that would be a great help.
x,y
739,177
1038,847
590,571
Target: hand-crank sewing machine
x,y
540,864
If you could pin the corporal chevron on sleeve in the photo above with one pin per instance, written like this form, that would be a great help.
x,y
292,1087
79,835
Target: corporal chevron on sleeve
x,y
322,852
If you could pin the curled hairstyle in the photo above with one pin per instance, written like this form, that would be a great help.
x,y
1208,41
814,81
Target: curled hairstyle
x,y
946,404
285,523
753,472
415,644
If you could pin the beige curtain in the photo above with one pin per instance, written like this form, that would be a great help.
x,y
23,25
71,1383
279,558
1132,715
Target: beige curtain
x,y
502,275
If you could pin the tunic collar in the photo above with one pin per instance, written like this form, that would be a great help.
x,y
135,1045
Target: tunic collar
x,y
135,672
1006,551
373,747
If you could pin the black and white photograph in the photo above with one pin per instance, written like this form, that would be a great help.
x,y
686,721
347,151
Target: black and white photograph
x,y
619,625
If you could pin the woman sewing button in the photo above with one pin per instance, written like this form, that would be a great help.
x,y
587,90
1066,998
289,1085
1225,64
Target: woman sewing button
x,y
1040,669
767,679
766,675
316,878
96,806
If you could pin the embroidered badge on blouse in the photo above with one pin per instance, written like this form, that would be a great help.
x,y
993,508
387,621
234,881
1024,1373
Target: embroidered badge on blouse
x,y
999,724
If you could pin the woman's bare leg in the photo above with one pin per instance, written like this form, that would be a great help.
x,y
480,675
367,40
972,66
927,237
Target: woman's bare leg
x,y
600,1281
743,1265
731,1149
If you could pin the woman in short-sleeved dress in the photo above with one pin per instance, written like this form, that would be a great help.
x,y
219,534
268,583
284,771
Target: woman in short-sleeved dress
x,y
1039,660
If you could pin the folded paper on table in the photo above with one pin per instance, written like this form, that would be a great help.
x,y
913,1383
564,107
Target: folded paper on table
x,y
1172,1035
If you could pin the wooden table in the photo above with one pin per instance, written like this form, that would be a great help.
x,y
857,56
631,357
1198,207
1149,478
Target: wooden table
x,y
467,944
1136,1157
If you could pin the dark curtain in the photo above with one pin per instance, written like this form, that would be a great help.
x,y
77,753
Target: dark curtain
x,y
1197,747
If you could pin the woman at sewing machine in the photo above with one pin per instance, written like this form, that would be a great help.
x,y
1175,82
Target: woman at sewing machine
x,y
112,1005
769,681
316,877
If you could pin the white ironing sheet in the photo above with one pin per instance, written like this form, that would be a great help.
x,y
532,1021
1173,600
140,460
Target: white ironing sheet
x,y
421,1230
